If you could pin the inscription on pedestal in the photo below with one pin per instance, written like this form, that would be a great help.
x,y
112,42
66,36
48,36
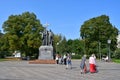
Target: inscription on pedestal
x,y
45,52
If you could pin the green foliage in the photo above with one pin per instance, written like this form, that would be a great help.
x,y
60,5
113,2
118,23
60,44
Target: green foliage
x,y
116,60
98,30
1,59
22,33
75,46
71,46
76,56
57,40
62,46
104,51
117,54
3,54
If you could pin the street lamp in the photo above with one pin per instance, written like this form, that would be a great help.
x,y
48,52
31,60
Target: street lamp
x,y
84,43
56,46
99,49
109,54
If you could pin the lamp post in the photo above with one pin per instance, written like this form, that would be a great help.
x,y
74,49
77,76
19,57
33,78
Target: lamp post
x,y
99,43
84,43
99,49
109,54
56,46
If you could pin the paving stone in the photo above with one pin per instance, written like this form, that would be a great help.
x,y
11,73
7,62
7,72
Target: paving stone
x,y
22,70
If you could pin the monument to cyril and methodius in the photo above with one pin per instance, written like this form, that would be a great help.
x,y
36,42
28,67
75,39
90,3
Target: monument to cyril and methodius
x,y
46,49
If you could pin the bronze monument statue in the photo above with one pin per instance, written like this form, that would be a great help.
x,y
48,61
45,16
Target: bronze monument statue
x,y
46,49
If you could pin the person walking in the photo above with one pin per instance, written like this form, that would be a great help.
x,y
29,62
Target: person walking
x,y
83,65
64,59
92,63
57,58
68,61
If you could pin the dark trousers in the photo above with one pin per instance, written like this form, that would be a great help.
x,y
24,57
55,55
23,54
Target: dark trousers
x,y
65,61
57,61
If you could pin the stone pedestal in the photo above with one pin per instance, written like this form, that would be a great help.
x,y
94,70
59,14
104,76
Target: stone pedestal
x,y
45,53
45,56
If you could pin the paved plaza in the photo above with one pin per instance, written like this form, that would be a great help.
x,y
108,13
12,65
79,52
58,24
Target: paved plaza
x,y
22,70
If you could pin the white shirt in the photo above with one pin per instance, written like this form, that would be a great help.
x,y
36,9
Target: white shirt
x,y
92,60
64,56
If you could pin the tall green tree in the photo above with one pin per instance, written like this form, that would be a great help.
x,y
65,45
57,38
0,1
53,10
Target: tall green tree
x,y
96,31
75,46
22,32
56,41
62,46
78,46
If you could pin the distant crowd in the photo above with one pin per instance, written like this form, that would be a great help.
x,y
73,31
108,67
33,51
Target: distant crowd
x,y
65,59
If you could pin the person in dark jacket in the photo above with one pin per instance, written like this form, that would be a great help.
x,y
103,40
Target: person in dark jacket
x,y
83,65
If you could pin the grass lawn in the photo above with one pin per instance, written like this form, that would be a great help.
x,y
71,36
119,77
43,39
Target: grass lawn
x,y
3,60
9,59
116,60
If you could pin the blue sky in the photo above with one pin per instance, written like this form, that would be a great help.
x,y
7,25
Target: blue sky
x,y
64,16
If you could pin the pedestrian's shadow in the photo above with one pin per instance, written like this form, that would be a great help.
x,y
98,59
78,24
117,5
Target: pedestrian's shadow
x,y
88,71
74,67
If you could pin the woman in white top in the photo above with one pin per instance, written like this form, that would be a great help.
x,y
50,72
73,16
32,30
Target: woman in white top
x,y
92,63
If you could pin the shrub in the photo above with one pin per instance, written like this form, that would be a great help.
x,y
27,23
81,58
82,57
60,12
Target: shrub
x,y
117,54
76,56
